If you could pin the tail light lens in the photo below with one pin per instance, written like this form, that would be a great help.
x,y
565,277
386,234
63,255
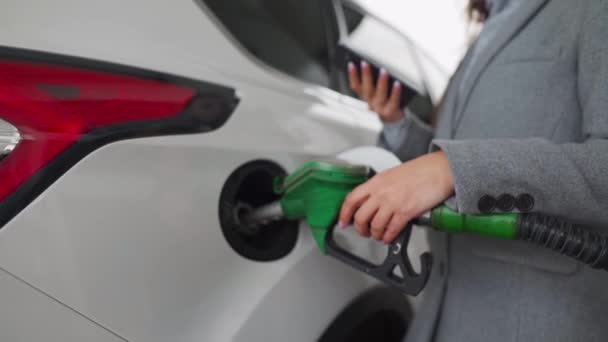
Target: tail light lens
x,y
54,110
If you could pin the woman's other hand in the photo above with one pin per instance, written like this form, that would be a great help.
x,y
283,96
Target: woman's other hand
x,y
383,206
379,97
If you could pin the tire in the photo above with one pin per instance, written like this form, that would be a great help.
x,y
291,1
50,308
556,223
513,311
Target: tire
x,y
380,314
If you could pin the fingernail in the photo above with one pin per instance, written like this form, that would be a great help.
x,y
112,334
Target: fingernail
x,y
364,64
341,225
397,84
383,72
351,66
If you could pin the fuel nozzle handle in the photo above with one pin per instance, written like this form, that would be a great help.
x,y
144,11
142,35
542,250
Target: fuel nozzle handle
x,y
562,236
315,193
396,270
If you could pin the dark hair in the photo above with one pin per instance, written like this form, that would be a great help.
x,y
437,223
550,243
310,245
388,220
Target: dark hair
x,y
478,10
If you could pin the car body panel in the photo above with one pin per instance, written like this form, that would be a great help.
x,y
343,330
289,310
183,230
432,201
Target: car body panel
x,y
30,315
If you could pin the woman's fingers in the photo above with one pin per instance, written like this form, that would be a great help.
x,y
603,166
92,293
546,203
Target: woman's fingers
x,y
376,94
353,78
367,83
381,93
351,203
380,222
364,216
398,222
394,102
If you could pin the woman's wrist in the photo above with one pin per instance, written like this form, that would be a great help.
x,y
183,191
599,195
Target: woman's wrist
x,y
388,125
445,176
394,133
392,118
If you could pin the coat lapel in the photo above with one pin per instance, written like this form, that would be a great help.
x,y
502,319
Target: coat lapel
x,y
528,9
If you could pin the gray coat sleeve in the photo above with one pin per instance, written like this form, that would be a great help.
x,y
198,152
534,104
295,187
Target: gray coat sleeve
x,y
569,179
407,139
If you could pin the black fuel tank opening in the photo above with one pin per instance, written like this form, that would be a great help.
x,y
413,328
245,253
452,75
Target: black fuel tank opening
x,y
250,186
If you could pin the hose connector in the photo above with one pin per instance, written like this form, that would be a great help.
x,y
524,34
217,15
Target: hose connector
x,y
502,226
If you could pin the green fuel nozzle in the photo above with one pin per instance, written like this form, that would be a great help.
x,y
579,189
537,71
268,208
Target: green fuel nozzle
x,y
315,193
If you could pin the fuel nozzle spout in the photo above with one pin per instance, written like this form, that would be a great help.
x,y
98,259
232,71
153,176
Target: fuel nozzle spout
x,y
262,215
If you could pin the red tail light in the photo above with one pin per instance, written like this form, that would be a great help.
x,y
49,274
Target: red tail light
x,y
52,115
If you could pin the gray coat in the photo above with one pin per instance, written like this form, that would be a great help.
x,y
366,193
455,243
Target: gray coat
x,y
534,122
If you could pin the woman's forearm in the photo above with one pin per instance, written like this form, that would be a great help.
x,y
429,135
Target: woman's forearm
x,y
408,138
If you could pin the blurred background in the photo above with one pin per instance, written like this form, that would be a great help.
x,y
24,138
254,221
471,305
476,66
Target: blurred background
x,y
445,37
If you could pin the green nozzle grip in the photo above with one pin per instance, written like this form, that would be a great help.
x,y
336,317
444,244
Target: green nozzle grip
x,y
316,192
503,226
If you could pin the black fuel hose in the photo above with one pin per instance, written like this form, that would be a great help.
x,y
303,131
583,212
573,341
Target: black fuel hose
x,y
564,237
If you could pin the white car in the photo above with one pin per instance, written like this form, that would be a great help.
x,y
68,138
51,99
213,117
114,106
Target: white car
x,y
130,131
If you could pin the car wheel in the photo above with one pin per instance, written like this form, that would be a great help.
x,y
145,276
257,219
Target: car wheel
x,y
380,314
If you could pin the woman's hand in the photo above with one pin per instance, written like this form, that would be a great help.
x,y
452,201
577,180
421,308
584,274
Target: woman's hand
x,y
384,205
376,95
